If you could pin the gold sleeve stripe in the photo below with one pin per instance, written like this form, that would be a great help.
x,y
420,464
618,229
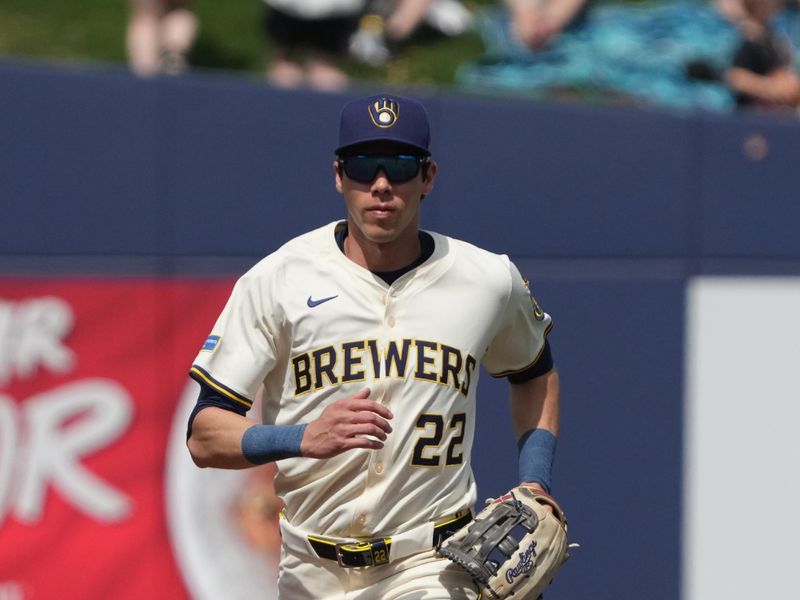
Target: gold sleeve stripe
x,y
200,375
529,365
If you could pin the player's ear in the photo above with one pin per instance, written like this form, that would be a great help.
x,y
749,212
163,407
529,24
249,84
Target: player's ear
x,y
337,173
428,176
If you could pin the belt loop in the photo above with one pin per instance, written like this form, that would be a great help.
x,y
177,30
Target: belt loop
x,y
380,552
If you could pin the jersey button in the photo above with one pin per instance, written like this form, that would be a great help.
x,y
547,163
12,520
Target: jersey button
x,y
379,468
391,321
362,519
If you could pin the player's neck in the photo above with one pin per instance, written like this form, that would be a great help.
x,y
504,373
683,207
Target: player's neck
x,y
377,256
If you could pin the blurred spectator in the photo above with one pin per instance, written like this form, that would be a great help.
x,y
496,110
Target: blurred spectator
x,y
536,23
388,23
787,24
160,34
762,73
732,10
405,16
309,39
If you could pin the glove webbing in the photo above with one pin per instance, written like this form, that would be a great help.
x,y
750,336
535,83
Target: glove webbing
x,y
489,535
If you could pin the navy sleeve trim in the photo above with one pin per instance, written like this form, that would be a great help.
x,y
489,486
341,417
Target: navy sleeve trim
x,y
201,376
541,367
209,396
532,364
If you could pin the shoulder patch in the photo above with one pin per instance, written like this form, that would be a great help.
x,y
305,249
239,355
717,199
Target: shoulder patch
x,y
210,343
538,313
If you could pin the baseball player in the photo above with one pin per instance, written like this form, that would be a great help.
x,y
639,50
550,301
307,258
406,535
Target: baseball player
x,y
367,335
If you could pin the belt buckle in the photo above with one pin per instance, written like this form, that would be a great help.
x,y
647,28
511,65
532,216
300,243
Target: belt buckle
x,y
353,549
340,556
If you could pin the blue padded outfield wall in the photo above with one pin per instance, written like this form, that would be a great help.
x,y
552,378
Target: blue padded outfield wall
x,y
637,229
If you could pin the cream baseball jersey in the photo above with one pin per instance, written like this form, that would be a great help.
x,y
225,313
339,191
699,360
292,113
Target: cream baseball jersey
x,y
314,327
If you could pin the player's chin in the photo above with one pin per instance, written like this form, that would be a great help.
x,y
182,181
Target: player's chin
x,y
381,231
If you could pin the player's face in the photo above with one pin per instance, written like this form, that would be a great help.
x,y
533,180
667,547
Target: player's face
x,y
383,211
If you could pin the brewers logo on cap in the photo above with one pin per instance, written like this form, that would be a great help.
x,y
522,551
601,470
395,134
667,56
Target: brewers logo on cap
x,y
381,122
384,112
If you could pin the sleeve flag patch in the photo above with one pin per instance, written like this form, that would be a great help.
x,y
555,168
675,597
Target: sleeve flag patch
x,y
210,343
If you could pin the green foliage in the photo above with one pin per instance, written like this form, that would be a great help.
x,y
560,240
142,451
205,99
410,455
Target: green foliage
x,y
87,29
231,38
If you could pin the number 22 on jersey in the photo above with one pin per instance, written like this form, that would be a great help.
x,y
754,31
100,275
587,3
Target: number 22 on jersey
x,y
427,451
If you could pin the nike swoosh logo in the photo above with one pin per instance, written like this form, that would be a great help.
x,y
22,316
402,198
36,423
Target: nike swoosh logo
x,y
312,303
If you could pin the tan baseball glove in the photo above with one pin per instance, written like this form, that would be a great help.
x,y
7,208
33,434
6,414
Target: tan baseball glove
x,y
514,546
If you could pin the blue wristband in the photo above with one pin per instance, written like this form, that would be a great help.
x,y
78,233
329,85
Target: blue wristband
x,y
268,443
537,449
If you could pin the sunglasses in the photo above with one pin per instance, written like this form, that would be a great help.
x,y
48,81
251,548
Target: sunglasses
x,y
399,168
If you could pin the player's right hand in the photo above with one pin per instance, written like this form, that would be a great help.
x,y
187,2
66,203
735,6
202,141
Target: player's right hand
x,y
345,424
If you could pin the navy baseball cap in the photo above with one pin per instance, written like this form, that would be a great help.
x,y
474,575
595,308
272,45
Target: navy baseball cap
x,y
384,117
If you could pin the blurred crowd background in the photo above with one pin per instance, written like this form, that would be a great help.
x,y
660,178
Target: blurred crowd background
x,y
718,55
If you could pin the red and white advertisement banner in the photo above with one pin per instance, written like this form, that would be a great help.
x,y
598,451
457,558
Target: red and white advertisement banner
x,y
98,496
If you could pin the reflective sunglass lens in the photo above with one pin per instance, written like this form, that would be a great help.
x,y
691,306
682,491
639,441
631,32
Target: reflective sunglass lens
x,y
398,169
361,169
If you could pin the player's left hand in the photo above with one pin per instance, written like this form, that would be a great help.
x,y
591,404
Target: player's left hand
x,y
515,545
539,489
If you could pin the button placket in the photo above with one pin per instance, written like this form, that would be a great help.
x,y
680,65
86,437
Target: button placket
x,y
389,318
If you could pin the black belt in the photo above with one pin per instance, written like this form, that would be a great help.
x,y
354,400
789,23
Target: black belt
x,y
376,552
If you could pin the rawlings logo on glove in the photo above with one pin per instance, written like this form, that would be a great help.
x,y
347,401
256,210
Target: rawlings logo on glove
x,y
514,546
525,564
